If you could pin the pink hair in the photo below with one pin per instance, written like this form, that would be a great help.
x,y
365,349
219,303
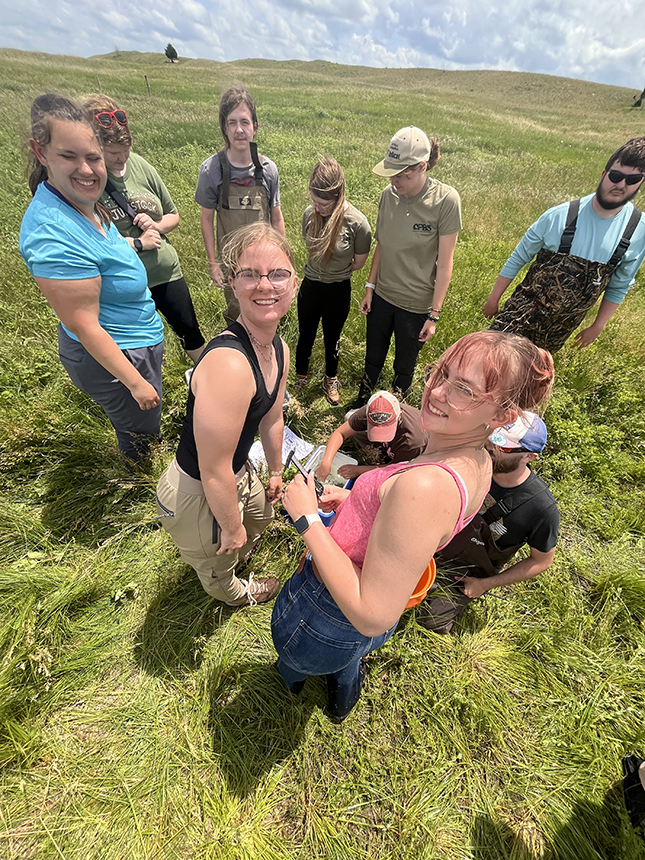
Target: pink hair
x,y
517,374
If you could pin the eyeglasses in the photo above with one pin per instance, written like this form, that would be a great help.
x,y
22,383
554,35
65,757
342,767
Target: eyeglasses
x,y
250,278
106,118
511,450
617,176
459,395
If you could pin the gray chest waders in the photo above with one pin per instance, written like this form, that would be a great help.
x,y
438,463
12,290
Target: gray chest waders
x,y
239,205
559,288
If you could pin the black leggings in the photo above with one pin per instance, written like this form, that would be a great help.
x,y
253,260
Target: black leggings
x,y
327,302
383,320
174,302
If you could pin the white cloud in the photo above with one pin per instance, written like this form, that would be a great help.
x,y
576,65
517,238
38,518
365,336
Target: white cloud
x,y
575,38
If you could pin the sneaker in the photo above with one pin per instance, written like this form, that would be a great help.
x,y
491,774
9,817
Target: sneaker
x,y
256,591
330,387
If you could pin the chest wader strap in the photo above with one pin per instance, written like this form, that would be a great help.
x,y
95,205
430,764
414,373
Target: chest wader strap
x,y
226,173
623,245
570,229
509,503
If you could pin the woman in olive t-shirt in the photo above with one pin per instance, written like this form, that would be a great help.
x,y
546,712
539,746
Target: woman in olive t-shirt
x,y
418,221
143,212
338,238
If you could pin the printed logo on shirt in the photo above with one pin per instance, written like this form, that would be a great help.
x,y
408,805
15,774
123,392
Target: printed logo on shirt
x,y
139,201
422,228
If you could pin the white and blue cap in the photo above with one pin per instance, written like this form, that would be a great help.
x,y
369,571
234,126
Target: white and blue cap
x,y
528,433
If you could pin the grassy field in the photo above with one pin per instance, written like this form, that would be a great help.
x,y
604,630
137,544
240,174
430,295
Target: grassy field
x,y
138,718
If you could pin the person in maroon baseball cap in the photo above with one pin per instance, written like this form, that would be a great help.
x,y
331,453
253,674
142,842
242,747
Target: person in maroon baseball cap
x,y
386,430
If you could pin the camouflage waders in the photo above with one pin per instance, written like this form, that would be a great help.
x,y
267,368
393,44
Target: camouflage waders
x,y
559,289
239,205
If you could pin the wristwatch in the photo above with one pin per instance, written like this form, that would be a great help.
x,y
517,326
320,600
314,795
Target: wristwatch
x,y
303,522
138,245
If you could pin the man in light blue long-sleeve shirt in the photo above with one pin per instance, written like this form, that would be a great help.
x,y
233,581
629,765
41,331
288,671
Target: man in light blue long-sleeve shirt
x,y
585,248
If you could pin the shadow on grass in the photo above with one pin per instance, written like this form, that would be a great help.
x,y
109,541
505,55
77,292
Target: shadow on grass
x,y
591,832
177,626
255,723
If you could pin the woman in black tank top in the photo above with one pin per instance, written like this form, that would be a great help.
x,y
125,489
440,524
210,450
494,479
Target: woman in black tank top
x,y
210,499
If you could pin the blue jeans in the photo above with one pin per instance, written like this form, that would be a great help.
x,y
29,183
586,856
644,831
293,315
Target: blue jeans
x,y
313,637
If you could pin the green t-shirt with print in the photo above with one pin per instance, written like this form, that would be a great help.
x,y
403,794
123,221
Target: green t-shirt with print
x,y
145,191
355,238
408,232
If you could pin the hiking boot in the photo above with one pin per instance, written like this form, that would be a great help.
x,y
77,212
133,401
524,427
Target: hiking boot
x,y
299,383
330,387
256,591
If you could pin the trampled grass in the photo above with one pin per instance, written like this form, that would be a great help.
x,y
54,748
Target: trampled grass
x,y
139,719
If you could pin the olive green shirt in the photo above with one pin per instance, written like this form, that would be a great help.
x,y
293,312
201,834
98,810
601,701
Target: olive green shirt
x,y
355,238
408,231
145,191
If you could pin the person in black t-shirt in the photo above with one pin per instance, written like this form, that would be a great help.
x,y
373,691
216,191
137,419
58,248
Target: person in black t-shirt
x,y
519,510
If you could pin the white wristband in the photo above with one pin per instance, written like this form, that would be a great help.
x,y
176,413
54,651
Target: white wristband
x,y
369,286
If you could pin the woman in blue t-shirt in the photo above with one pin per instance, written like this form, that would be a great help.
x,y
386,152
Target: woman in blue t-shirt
x,y
110,336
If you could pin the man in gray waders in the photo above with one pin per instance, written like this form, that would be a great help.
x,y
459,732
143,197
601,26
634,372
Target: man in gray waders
x,y
237,183
518,510
584,248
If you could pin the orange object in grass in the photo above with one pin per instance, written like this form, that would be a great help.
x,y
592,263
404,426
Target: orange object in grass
x,y
423,585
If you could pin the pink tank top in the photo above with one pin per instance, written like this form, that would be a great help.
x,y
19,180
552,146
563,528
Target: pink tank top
x,y
352,525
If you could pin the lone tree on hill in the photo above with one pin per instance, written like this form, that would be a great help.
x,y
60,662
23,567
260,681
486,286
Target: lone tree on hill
x,y
171,53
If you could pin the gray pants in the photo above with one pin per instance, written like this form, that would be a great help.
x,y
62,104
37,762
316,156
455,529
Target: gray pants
x,y
135,428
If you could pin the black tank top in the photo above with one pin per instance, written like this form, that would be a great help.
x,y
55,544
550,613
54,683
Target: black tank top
x,y
260,404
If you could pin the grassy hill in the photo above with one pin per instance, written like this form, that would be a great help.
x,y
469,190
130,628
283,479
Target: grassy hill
x,y
140,720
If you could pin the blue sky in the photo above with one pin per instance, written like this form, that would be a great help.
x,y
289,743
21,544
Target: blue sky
x,y
596,41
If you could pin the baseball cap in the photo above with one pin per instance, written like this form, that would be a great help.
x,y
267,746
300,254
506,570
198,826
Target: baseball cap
x,y
527,433
383,410
408,147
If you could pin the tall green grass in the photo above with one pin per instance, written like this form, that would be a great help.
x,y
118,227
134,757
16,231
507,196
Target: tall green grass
x,y
140,719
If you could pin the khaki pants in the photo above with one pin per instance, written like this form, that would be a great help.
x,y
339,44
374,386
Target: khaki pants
x,y
185,515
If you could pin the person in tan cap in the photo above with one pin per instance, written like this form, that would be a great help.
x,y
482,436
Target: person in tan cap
x,y
418,221
388,431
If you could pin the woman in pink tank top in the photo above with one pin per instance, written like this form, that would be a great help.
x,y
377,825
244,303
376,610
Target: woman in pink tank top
x,y
358,577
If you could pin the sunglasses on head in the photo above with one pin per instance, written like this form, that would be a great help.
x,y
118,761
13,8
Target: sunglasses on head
x,y
106,118
617,176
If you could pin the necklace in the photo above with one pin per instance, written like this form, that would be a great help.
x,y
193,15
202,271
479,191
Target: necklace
x,y
453,448
260,346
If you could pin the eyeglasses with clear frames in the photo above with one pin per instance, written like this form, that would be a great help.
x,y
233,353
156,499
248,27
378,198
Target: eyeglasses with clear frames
x,y
458,394
279,279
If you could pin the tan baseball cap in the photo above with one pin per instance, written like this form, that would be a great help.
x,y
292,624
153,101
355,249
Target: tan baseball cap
x,y
408,147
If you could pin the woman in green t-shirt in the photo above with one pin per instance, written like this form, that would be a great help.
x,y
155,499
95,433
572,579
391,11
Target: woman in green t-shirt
x,y
144,212
338,239
418,221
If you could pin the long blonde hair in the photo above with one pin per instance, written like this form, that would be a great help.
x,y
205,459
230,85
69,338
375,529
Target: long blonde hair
x,y
327,182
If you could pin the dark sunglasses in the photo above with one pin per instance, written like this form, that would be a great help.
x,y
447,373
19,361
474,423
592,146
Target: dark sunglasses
x,y
512,450
106,118
616,176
